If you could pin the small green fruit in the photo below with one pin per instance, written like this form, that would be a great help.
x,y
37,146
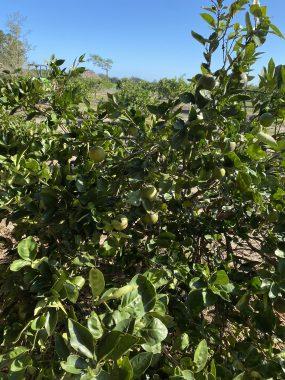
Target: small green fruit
x,y
243,78
266,119
97,154
121,223
220,173
207,82
232,146
150,218
149,192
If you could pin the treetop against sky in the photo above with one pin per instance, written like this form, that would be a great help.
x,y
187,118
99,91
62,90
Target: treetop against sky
x,y
149,39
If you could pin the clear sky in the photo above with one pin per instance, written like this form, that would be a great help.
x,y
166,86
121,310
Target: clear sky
x,y
145,38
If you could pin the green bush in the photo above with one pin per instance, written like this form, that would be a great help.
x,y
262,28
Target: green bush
x,y
166,258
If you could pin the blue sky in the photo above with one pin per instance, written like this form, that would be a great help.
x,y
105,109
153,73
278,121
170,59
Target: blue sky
x,y
145,38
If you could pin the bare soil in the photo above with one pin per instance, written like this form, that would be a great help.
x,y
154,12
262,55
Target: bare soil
x,y
6,240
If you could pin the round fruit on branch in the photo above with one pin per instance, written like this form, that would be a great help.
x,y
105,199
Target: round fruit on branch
x,y
120,223
150,218
266,119
207,82
149,192
219,173
97,154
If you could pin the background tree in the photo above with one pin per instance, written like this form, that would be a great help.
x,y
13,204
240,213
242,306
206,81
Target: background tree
x,y
103,63
14,47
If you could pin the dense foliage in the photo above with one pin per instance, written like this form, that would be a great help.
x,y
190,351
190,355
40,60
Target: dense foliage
x,y
140,94
149,245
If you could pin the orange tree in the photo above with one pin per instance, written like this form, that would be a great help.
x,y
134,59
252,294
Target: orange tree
x,y
148,245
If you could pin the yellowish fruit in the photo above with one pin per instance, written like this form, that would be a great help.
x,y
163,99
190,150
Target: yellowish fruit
x,y
266,119
121,223
97,154
207,82
220,173
232,146
150,218
149,192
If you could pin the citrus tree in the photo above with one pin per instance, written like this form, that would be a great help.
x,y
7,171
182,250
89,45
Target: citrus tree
x,y
148,246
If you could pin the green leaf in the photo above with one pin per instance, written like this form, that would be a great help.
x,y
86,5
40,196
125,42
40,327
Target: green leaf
x,y
140,363
183,375
140,300
74,364
51,321
220,278
59,62
32,165
134,198
255,152
181,342
27,249
248,22
249,51
71,291
276,31
124,370
17,351
115,344
266,139
17,265
20,363
256,10
198,38
61,347
81,339
208,18
94,325
154,332
271,68
213,370
201,356
96,281
78,281
241,376
119,293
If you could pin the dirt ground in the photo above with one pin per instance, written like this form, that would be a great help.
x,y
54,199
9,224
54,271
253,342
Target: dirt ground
x,y
6,240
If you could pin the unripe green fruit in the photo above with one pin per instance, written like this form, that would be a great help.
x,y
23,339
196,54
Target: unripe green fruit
x,y
121,223
220,173
255,375
207,82
97,154
266,119
151,218
149,192
244,78
278,75
266,139
232,146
